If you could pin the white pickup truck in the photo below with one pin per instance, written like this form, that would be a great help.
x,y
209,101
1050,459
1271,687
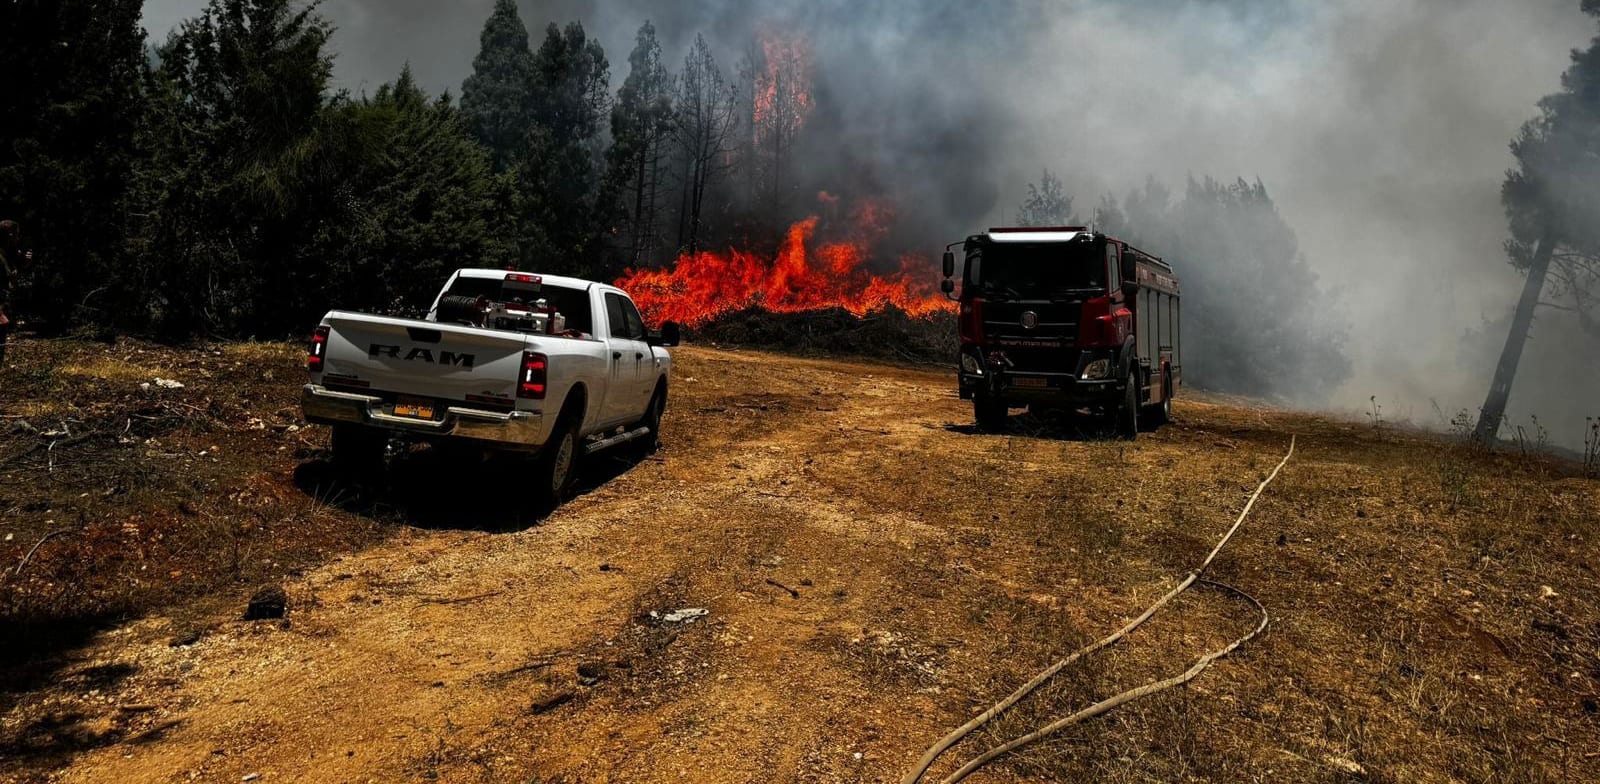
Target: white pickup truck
x,y
508,361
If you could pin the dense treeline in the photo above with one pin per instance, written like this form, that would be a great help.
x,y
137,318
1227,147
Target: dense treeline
x,y
217,183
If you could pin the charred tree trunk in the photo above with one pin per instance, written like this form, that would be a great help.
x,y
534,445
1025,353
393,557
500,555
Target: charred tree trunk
x,y
638,209
1494,406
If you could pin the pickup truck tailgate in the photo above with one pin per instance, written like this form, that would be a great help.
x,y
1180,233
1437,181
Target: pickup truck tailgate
x,y
423,358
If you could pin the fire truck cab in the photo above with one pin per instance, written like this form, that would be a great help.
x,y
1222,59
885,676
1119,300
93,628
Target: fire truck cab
x,y
1070,319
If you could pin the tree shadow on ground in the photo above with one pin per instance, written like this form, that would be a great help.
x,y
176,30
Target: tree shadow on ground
x,y
39,740
446,489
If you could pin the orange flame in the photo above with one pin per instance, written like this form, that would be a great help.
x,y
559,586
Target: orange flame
x,y
781,94
805,276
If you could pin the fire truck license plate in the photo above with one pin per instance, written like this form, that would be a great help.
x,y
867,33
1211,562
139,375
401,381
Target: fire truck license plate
x,y
412,407
1032,383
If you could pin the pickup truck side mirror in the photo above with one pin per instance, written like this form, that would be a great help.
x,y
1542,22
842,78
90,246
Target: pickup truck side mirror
x,y
949,264
668,336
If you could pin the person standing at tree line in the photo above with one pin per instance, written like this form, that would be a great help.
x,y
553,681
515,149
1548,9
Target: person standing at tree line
x,y
12,258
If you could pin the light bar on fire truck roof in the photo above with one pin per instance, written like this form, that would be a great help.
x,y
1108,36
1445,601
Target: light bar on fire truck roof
x,y
1041,234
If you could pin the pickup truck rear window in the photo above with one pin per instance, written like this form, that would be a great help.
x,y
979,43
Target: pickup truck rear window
x,y
569,302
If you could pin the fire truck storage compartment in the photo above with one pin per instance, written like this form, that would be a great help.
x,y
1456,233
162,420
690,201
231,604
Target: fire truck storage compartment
x,y
1158,327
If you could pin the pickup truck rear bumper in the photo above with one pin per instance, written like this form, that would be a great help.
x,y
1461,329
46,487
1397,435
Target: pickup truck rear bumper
x,y
524,430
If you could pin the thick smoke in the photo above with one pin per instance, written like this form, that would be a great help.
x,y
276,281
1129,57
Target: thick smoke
x,y
1380,127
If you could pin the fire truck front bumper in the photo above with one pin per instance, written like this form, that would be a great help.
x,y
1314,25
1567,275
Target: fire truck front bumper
x,y
1094,384
1062,389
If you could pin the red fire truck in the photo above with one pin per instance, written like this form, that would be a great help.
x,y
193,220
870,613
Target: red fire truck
x,y
1068,319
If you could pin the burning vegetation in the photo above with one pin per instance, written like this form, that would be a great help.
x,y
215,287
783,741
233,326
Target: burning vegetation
x,y
813,270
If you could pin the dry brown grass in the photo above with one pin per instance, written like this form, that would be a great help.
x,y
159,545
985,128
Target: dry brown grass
x,y
1413,634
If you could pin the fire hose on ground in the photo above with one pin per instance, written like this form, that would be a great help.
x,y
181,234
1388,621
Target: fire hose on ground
x,y
914,776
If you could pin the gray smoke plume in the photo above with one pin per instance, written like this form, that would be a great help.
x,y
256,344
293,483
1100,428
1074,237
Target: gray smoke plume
x,y
1379,126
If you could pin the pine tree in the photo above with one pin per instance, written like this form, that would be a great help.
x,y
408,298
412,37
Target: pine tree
x,y
1229,244
427,204
1047,203
556,169
707,119
497,99
641,124
1552,200
69,117
243,162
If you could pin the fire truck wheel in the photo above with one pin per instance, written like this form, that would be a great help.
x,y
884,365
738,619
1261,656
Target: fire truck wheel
x,y
1160,413
990,414
357,452
1127,414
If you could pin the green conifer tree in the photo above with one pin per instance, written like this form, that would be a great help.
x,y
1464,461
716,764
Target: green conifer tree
x,y
69,115
497,99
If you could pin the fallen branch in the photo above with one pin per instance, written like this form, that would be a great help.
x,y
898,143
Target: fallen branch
x,y
460,600
792,592
47,537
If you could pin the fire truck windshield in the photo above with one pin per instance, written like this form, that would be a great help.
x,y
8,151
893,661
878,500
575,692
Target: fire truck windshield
x,y
1036,270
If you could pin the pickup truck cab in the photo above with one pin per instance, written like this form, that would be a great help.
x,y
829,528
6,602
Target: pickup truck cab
x,y
547,366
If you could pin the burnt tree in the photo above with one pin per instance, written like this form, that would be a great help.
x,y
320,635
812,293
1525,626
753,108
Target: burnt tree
x,y
707,115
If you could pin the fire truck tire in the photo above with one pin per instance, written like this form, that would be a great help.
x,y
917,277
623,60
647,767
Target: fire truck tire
x,y
357,451
1157,415
1127,414
1161,413
990,414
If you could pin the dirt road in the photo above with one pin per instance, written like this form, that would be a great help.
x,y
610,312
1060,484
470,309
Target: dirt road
x,y
872,573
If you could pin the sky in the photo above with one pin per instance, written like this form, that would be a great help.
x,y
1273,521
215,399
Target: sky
x,y
1381,128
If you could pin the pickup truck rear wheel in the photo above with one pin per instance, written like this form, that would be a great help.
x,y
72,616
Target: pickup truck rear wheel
x,y
990,413
357,451
557,464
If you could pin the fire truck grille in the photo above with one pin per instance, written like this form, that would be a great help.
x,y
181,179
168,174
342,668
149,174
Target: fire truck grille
x,y
1048,322
1044,342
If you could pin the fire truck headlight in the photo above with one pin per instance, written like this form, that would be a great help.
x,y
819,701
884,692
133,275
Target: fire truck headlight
x,y
1097,370
970,364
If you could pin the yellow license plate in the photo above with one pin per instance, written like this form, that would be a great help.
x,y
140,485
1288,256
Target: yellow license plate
x,y
1033,383
417,409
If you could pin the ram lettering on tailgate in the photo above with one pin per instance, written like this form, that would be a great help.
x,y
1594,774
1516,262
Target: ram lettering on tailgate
x,y
417,354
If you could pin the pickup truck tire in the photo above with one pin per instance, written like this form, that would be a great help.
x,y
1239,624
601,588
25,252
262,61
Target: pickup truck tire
x,y
652,420
1127,413
556,466
357,451
990,414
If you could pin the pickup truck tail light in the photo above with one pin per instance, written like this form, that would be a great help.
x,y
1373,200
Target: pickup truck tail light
x,y
318,350
532,382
